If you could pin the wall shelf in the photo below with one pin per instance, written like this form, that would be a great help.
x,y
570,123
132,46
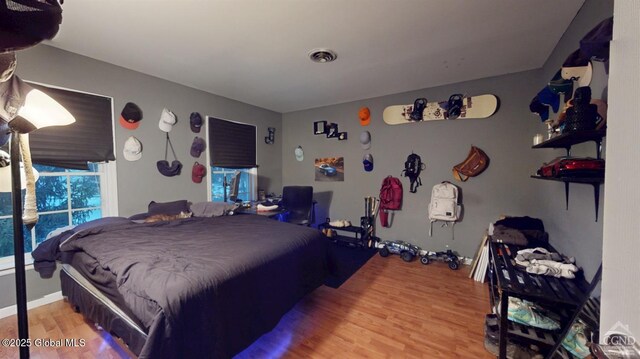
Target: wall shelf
x,y
572,138
566,141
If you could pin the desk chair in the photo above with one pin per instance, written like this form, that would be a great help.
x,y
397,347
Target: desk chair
x,y
298,200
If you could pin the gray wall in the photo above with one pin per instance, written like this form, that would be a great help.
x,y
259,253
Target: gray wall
x,y
504,188
140,182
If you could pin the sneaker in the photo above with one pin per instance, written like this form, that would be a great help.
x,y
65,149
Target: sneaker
x,y
575,341
491,326
339,223
525,312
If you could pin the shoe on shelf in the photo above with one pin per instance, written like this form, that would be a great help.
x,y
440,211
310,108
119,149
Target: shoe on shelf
x,y
576,341
340,223
525,312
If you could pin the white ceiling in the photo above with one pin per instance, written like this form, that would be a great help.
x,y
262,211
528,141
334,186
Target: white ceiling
x,y
256,51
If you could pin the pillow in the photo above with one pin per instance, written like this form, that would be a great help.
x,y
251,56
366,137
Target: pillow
x,y
171,208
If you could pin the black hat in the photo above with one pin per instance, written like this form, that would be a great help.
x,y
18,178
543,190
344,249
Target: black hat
x,y
536,106
130,116
25,23
169,170
595,44
196,122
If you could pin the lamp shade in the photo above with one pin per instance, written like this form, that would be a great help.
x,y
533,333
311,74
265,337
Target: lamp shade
x,y
25,23
5,173
42,111
27,109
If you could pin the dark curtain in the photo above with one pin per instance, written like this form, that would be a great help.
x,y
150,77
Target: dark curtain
x,y
89,139
232,144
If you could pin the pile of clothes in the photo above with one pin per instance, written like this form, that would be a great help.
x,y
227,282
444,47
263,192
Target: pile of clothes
x,y
529,232
521,231
541,261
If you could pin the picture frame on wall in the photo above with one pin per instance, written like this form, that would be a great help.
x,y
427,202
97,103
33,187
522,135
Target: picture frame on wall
x,y
332,130
320,127
342,136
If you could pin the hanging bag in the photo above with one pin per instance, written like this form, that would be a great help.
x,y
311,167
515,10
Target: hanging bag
x,y
164,167
390,198
412,168
475,163
444,205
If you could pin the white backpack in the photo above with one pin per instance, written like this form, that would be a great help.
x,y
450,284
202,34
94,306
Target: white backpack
x,y
444,204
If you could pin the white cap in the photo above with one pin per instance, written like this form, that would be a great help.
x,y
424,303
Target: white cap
x,y
167,120
5,174
132,149
365,140
299,153
582,74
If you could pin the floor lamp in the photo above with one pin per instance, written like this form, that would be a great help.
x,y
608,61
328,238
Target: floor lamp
x,y
25,109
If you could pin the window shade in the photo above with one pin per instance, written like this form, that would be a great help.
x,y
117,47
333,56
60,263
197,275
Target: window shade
x,y
232,144
89,139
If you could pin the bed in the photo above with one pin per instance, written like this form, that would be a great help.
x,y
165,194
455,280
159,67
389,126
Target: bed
x,y
189,288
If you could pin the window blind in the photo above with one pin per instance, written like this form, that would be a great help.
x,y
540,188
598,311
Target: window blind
x,y
89,139
232,144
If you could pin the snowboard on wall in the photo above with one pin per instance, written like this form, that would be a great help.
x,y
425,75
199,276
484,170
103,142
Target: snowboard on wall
x,y
472,107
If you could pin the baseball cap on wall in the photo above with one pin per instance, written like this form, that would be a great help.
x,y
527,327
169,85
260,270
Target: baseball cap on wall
x,y
537,107
596,42
548,97
559,85
130,116
197,147
367,161
195,121
167,120
577,67
365,116
299,154
198,172
365,140
132,150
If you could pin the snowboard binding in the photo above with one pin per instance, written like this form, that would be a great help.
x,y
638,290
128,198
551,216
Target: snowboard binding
x,y
454,106
418,108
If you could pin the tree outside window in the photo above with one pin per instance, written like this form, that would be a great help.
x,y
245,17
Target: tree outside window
x,y
217,181
63,197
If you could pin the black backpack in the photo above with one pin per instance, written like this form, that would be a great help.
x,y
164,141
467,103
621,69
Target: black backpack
x,y
412,168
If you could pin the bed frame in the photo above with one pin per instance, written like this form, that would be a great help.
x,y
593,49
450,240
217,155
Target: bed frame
x,y
88,300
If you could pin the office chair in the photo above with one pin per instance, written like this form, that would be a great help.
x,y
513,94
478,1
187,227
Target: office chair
x,y
298,200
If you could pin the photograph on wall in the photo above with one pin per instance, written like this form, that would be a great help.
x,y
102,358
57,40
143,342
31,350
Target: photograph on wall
x,y
320,128
329,169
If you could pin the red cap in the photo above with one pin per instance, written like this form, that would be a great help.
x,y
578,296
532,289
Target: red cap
x,y
198,172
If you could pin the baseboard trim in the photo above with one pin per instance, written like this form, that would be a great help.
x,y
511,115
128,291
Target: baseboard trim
x,y
49,298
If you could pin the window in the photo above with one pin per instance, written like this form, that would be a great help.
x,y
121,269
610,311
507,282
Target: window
x,y
246,189
63,197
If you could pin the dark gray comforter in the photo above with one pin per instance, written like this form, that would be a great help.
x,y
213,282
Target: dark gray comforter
x,y
204,287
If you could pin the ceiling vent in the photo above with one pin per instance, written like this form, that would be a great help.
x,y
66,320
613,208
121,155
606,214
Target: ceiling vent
x,y
322,55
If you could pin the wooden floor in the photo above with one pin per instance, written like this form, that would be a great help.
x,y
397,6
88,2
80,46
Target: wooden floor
x,y
388,309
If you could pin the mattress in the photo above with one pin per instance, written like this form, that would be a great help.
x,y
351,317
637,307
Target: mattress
x,y
196,287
